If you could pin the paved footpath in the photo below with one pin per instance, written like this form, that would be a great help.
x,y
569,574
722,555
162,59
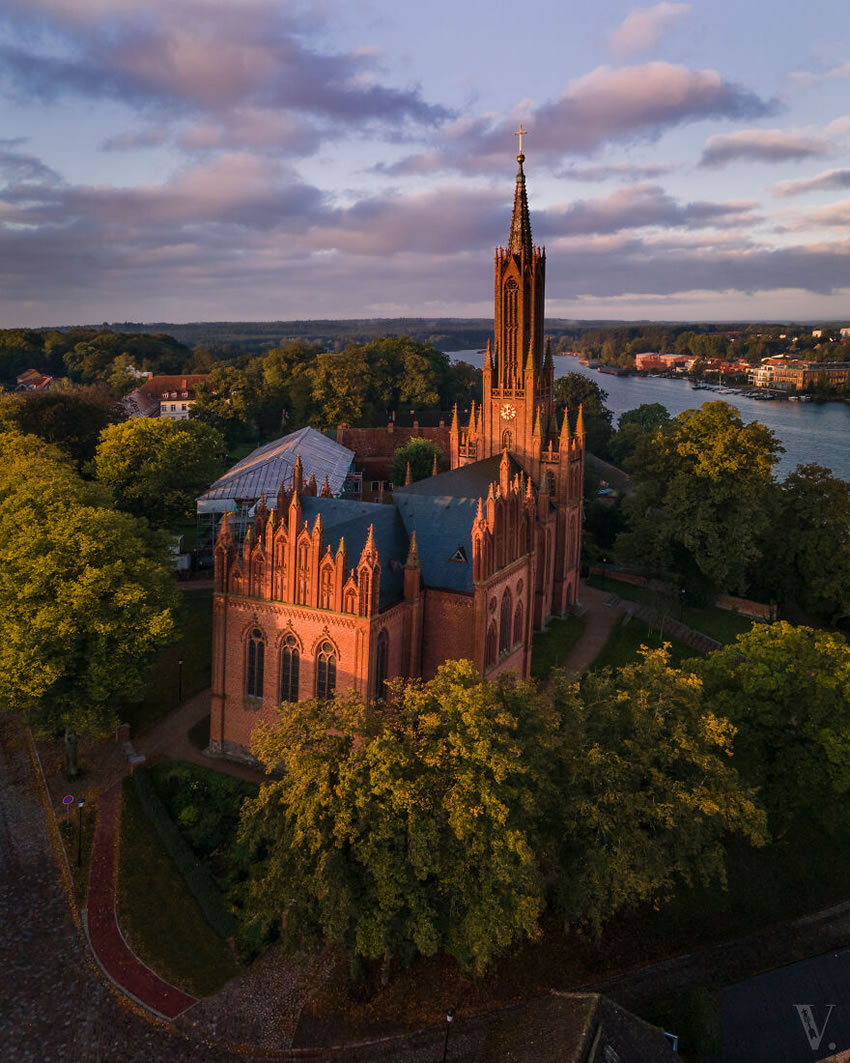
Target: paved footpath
x,y
107,941
599,621
54,1003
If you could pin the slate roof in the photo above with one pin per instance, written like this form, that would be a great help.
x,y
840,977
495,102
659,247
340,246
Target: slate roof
x,y
263,471
344,518
441,509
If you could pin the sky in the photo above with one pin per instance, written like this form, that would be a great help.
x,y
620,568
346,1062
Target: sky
x,y
191,160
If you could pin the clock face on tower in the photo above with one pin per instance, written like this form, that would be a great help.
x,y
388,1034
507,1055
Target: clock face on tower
x,y
508,411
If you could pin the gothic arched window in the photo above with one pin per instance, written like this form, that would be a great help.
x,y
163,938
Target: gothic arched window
x,y
303,565
507,440
490,647
325,671
256,664
519,633
382,650
290,662
505,620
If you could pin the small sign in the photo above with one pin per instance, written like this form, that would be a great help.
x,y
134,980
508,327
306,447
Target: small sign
x,y
68,799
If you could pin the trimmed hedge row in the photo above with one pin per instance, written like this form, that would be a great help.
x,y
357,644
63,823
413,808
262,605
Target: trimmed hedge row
x,y
195,874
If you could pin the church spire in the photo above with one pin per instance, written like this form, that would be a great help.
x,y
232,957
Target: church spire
x,y
519,241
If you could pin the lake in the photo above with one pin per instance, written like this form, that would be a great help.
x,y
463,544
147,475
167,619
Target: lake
x,y
810,431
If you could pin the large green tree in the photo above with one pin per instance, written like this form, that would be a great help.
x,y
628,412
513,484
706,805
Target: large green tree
x,y
419,454
703,502
230,400
72,418
634,426
576,389
810,543
421,834
787,690
156,467
85,600
649,792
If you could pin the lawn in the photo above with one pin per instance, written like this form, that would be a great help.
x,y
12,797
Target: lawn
x,y
627,638
718,624
159,916
552,646
194,648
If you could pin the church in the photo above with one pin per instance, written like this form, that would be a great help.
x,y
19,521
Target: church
x,y
327,594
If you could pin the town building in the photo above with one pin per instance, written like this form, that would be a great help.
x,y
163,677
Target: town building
x,y
164,396
323,594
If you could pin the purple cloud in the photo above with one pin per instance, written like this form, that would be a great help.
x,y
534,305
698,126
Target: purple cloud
x,y
210,63
606,105
18,166
829,179
638,207
645,26
761,145
620,171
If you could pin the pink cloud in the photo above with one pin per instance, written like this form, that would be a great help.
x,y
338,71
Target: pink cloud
x,y
761,145
645,26
828,179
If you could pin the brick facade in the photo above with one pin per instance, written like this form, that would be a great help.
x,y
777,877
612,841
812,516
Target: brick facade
x,y
325,595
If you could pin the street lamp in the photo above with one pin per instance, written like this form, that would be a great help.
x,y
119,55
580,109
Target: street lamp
x,y
80,804
180,681
450,1015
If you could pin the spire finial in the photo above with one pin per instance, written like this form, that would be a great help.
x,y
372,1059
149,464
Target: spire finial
x,y
520,133
413,553
408,476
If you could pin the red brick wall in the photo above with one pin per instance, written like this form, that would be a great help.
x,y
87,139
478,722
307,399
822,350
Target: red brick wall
x,y
448,631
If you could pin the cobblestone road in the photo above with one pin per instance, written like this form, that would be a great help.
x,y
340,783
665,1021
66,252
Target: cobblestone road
x,y
53,1004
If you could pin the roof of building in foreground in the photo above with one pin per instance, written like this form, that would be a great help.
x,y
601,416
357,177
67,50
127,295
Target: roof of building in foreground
x,y
263,471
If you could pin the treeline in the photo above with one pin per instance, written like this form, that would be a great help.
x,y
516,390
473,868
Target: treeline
x,y
618,345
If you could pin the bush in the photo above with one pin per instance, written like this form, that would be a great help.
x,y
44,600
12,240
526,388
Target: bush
x,y
194,873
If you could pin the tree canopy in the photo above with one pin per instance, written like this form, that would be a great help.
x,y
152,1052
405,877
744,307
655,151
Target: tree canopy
x,y
574,390
810,544
72,418
85,598
156,467
787,691
442,820
420,454
703,501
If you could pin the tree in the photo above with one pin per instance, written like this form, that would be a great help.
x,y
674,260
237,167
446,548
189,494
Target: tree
x,y
703,499
574,390
648,789
419,834
633,426
86,600
229,401
156,467
72,419
341,387
810,545
420,454
787,690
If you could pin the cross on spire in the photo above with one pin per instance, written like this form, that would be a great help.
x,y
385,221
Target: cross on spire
x,y
521,133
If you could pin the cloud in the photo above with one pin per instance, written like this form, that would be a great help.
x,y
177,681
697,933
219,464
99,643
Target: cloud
x,y
621,171
639,207
622,104
835,215
761,145
829,179
17,166
644,27
208,62
153,137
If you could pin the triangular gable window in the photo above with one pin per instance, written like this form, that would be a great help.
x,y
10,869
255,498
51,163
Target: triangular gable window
x,y
459,555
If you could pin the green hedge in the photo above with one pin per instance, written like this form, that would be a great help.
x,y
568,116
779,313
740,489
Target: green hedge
x,y
195,874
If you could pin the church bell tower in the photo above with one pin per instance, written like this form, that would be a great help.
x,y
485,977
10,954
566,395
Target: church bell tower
x,y
516,412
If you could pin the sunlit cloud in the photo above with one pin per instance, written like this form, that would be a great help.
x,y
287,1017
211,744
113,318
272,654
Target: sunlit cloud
x,y
761,145
645,26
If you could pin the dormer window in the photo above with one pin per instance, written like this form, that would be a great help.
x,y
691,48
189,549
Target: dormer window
x,y
460,556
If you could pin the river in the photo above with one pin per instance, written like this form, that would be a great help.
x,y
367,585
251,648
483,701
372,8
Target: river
x,y
810,432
